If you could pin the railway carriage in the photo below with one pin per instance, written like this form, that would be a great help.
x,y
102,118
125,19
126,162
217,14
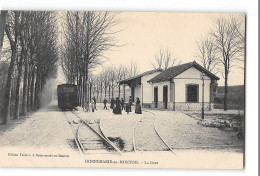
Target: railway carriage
x,y
67,96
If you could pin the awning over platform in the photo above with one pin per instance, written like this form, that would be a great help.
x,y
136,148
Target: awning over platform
x,y
132,81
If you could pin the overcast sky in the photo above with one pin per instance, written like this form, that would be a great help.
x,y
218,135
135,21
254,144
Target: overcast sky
x,y
146,32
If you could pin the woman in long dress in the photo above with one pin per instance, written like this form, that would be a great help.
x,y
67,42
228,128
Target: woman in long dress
x,y
117,109
138,109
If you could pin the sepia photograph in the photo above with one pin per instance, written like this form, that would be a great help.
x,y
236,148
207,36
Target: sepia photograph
x,y
110,89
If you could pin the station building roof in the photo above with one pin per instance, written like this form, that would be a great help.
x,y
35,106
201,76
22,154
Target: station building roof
x,y
176,70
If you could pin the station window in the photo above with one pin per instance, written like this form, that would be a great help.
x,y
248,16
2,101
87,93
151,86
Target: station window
x,y
192,92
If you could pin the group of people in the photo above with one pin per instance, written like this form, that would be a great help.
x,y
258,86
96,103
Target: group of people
x,y
93,105
118,105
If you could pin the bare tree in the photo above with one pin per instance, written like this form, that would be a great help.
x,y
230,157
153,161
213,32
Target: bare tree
x,y
158,60
208,55
3,14
101,85
163,59
112,80
229,43
32,40
133,69
12,32
87,36
106,80
91,82
121,73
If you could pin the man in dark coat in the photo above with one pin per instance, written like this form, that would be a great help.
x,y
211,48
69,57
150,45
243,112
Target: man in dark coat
x,y
138,109
95,103
112,103
105,103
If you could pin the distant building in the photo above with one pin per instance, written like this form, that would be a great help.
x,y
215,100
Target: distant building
x,y
177,88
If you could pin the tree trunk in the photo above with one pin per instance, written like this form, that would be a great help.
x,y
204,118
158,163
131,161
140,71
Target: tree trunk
x,y
97,95
112,90
2,28
13,44
36,91
105,91
87,92
83,91
42,100
7,99
124,91
78,91
119,91
18,82
101,92
28,92
226,91
86,87
90,87
25,83
32,91
109,92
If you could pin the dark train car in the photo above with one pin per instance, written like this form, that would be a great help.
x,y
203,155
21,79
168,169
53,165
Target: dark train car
x,y
67,96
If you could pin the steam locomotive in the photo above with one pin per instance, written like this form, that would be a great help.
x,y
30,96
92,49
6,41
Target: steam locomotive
x,y
67,96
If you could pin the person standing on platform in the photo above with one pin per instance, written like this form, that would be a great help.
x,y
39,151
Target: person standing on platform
x,y
130,104
117,109
95,101
87,106
105,103
138,109
122,103
112,103
93,105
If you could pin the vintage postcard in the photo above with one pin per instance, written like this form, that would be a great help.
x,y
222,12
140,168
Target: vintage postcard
x,y
122,89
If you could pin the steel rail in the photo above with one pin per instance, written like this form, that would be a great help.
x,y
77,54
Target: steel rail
x,y
100,135
134,145
158,132
81,145
81,151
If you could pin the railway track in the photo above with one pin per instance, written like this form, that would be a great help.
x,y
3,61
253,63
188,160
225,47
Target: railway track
x,y
156,132
89,138
74,130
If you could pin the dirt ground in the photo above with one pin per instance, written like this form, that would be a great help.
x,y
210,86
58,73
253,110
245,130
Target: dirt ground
x,y
179,130
44,128
182,131
47,131
48,127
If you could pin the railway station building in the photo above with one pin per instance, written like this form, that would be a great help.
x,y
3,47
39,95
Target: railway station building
x,y
140,88
181,87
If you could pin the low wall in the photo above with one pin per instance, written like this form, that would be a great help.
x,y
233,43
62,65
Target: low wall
x,y
183,106
160,105
146,105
